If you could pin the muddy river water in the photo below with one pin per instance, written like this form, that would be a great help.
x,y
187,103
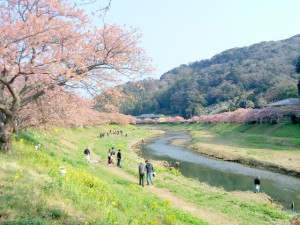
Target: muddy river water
x,y
231,176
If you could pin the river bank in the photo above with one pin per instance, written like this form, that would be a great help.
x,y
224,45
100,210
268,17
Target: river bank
x,y
271,147
171,147
249,161
136,146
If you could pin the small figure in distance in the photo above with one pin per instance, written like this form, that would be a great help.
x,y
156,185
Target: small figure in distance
x,y
113,151
63,170
112,158
150,170
257,184
119,156
109,156
141,173
87,154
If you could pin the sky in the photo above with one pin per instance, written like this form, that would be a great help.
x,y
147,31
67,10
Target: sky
x,y
176,32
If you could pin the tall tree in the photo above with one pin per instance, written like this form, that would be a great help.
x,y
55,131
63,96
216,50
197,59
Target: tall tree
x,y
298,65
50,45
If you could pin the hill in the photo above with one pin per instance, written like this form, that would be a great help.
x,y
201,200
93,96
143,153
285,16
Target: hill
x,y
250,76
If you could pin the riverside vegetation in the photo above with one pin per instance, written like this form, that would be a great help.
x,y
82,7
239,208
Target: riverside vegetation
x,y
273,146
33,191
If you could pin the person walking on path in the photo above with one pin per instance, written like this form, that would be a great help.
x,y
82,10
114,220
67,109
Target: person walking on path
x,y
257,184
109,156
150,170
119,156
112,159
141,173
87,154
113,151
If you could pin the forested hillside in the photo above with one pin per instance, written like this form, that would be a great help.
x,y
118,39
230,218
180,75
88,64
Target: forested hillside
x,y
247,77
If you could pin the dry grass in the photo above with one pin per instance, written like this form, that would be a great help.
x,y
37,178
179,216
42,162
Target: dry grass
x,y
264,147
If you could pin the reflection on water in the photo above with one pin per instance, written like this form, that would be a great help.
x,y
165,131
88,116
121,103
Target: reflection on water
x,y
231,176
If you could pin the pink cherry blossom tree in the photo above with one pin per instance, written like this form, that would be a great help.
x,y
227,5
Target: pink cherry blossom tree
x,y
176,119
48,47
67,110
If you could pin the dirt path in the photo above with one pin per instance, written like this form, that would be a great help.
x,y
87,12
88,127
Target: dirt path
x,y
204,214
210,217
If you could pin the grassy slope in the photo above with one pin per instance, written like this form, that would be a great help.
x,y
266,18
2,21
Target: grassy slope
x,y
32,191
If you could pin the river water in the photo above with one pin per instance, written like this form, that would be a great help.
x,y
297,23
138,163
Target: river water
x,y
229,175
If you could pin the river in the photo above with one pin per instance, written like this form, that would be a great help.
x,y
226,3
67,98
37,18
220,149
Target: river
x,y
229,175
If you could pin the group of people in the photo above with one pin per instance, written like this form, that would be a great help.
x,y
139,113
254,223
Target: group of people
x,y
111,154
144,169
148,170
116,132
102,135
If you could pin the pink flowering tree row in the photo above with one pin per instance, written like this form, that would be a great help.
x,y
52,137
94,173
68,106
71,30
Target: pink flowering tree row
x,y
67,110
265,115
47,48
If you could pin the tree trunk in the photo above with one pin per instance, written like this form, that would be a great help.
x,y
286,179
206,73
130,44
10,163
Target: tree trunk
x,y
6,134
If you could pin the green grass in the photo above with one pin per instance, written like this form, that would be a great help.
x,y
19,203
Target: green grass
x,y
34,192
245,212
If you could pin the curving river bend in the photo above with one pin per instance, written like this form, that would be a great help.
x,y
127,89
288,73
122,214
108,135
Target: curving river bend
x,y
229,175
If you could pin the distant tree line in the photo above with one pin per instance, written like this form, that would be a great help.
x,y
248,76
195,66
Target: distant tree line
x,y
268,115
248,77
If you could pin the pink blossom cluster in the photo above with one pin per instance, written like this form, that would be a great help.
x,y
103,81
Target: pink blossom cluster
x,y
265,115
65,109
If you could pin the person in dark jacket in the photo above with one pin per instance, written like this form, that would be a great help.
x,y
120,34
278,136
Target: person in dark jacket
x,y
87,154
109,156
119,156
142,173
150,170
257,184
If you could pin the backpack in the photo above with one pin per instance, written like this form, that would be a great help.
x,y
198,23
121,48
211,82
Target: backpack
x,y
141,169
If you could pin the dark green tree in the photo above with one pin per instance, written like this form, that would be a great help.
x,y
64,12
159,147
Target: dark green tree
x,y
298,65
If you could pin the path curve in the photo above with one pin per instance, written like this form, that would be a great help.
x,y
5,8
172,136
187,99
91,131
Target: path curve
x,y
203,214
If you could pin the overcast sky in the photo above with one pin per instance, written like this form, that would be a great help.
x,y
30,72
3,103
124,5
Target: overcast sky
x,y
178,32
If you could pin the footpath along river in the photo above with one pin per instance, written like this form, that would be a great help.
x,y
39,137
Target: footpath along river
x,y
231,176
